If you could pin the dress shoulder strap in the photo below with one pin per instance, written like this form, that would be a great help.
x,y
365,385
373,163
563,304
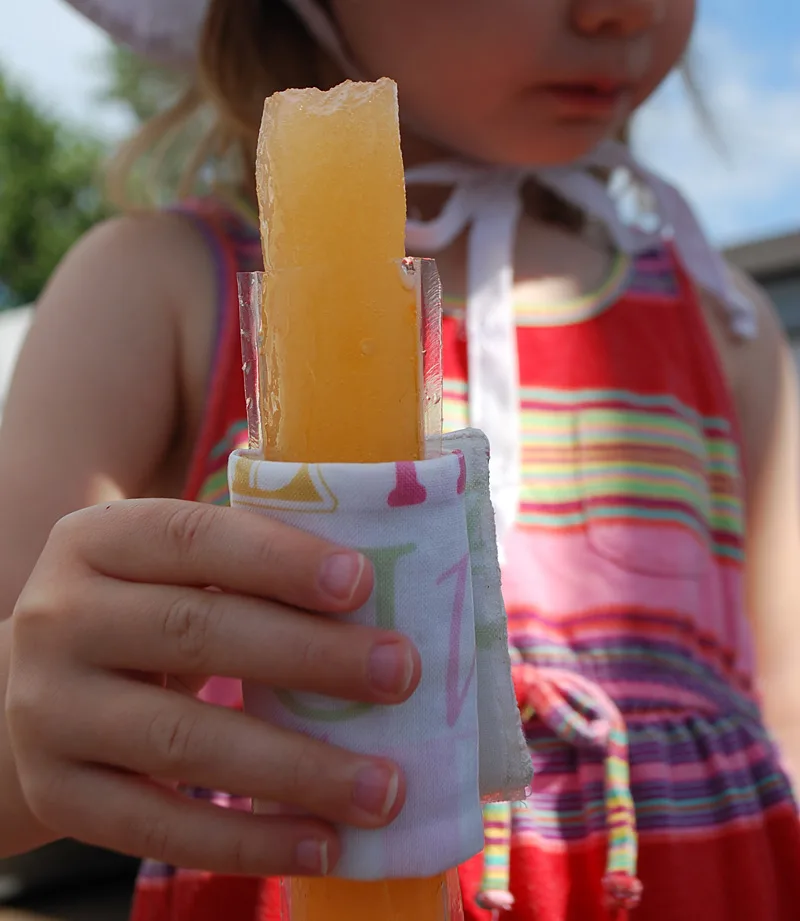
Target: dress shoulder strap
x,y
234,247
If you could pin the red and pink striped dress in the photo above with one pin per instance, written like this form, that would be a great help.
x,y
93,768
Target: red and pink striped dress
x,y
623,585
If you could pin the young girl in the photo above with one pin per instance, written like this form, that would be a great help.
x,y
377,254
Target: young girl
x,y
652,425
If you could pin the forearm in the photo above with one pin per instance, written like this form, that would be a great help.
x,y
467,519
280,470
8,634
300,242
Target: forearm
x,y
19,829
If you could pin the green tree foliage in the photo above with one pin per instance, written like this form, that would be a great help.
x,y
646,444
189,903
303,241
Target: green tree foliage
x,y
49,193
51,174
141,88
144,91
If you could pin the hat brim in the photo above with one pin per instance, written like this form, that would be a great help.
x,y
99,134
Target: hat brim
x,y
166,31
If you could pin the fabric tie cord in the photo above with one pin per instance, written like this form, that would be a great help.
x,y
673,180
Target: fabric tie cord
x,y
581,714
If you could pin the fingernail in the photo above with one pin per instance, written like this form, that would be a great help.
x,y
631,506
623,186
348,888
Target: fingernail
x,y
390,667
312,857
376,788
341,574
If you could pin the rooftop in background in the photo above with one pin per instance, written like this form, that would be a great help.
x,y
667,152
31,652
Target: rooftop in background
x,y
775,264
773,256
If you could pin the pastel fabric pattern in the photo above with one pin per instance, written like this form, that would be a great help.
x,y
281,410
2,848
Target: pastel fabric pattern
x,y
411,520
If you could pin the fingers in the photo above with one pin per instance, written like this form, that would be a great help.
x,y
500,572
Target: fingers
x,y
109,596
159,733
194,632
187,543
137,817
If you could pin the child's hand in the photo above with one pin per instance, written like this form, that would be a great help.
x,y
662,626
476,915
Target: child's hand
x,y
113,634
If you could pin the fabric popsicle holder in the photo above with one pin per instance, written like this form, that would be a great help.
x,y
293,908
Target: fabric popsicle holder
x,y
427,527
505,763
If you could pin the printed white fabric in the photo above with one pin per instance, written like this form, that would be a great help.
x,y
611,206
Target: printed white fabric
x,y
427,527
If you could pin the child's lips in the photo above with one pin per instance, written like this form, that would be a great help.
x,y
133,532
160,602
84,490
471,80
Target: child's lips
x,y
588,98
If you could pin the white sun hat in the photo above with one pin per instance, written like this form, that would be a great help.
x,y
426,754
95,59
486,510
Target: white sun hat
x,y
168,30
165,30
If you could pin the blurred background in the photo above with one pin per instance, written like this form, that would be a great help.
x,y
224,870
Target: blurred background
x,y
67,97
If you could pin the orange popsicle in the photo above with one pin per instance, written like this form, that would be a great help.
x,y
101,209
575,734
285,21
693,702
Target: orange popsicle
x,y
341,362
342,375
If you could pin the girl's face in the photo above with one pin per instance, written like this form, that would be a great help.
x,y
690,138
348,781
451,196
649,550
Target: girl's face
x,y
518,81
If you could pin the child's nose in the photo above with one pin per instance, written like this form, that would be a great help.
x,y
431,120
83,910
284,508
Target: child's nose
x,y
617,17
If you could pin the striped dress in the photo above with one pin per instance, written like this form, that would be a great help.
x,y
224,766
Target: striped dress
x,y
623,583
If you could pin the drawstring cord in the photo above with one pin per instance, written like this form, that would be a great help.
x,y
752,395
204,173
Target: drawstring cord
x,y
495,893
562,700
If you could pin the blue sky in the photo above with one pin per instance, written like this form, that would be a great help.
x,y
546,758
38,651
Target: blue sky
x,y
748,60
747,55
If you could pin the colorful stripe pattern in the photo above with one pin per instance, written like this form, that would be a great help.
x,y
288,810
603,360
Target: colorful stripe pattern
x,y
581,714
623,587
496,855
214,490
591,456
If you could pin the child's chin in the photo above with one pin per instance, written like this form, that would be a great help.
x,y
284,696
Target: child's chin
x,y
553,145
565,143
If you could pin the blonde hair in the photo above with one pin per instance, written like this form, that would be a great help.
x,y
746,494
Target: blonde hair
x,y
250,49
